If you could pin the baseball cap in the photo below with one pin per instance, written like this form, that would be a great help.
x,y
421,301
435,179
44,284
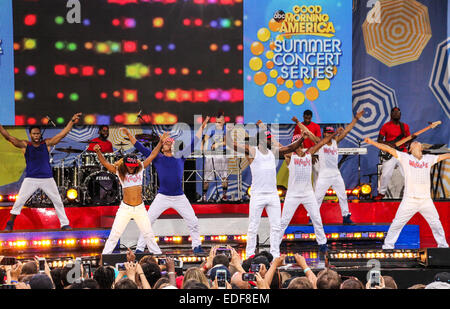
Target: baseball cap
x,y
328,130
131,160
296,137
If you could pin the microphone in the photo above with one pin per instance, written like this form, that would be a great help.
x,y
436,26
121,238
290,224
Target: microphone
x,y
139,116
50,121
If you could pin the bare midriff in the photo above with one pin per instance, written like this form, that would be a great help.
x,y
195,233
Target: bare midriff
x,y
132,196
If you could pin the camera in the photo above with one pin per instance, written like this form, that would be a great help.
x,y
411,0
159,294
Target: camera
x,y
224,251
248,277
289,260
162,261
8,261
120,266
221,276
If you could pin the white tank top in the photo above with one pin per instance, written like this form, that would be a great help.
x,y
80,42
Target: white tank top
x,y
328,160
300,169
132,180
264,173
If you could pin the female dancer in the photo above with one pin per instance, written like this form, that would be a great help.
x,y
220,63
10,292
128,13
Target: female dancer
x,y
130,172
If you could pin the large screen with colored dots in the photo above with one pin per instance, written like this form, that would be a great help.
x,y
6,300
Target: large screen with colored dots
x,y
298,56
110,59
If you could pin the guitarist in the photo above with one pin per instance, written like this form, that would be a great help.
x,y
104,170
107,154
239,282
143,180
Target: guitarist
x,y
390,133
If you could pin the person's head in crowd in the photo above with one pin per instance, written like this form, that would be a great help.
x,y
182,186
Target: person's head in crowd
x,y
29,268
307,117
193,284
2,276
90,284
56,274
105,276
442,277
437,285
125,284
328,279
25,278
389,282
65,275
148,259
221,259
41,282
162,282
195,273
417,287
257,259
352,284
300,283
236,281
152,272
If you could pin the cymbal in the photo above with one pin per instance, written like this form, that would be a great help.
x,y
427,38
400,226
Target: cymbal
x,y
69,150
88,142
147,137
121,145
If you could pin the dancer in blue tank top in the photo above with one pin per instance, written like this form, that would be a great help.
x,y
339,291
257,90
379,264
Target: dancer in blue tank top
x,y
170,168
38,172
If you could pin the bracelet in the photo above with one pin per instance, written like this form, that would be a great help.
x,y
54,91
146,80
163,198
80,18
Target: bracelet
x,y
171,273
14,281
306,269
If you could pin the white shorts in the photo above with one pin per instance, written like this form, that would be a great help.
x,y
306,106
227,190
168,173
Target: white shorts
x,y
216,168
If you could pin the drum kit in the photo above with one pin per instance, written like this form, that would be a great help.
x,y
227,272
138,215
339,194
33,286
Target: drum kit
x,y
92,182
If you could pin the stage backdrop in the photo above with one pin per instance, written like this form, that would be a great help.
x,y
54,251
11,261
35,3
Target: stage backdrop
x,y
6,63
297,56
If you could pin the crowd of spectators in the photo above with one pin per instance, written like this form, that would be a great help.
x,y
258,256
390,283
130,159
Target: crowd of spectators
x,y
265,272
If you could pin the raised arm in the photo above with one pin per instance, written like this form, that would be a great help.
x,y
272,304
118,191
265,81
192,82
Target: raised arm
x,y
444,156
110,167
199,133
127,132
156,150
13,140
322,142
302,127
291,147
350,126
58,137
231,143
383,147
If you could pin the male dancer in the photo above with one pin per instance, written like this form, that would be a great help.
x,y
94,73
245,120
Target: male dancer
x,y
312,139
329,174
216,166
300,190
38,172
417,197
102,140
264,193
170,194
390,133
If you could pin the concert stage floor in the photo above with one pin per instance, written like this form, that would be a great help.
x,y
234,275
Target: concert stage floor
x,y
226,219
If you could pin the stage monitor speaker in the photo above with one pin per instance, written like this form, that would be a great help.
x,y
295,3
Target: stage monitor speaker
x,y
114,258
434,257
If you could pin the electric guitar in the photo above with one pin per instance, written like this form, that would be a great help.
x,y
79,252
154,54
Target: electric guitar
x,y
395,144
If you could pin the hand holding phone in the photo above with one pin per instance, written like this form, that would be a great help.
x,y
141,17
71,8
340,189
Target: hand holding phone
x,y
248,277
221,276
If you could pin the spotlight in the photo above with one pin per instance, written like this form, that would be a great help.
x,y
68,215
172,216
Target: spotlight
x,y
72,194
366,189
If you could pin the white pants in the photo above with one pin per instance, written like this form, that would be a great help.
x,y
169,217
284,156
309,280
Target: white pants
x,y
322,185
271,202
216,166
408,208
48,185
315,173
387,168
124,214
309,201
181,204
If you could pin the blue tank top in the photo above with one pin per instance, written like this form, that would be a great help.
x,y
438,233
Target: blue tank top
x,y
38,162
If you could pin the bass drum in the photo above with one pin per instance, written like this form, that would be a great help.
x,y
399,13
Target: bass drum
x,y
103,188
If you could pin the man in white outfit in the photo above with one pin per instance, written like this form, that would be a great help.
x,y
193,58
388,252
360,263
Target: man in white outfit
x,y
329,174
300,189
417,197
264,193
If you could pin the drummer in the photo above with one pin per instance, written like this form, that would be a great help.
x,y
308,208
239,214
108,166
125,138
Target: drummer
x,y
102,140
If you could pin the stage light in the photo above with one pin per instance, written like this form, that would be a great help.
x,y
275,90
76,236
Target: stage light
x,y
158,71
18,95
213,47
87,70
30,95
30,20
158,22
60,45
172,71
184,71
129,46
213,23
158,48
60,120
129,23
101,72
226,48
86,22
74,96
29,44
186,22
238,23
356,191
16,46
59,20
90,119
60,95
130,95
1,198
240,47
31,121
12,197
198,22
73,70
60,69
171,46
72,46
225,23
366,189
30,70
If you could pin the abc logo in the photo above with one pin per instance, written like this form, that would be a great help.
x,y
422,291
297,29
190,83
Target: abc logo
x,y
279,16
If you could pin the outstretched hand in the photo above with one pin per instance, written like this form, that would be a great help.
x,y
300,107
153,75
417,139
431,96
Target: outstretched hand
x,y
360,114
164,137
76,117
295,119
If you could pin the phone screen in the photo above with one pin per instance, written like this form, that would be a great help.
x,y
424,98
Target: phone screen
x,y
254,268
41,265
8,261
289,260
375,278
221,276
248,277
